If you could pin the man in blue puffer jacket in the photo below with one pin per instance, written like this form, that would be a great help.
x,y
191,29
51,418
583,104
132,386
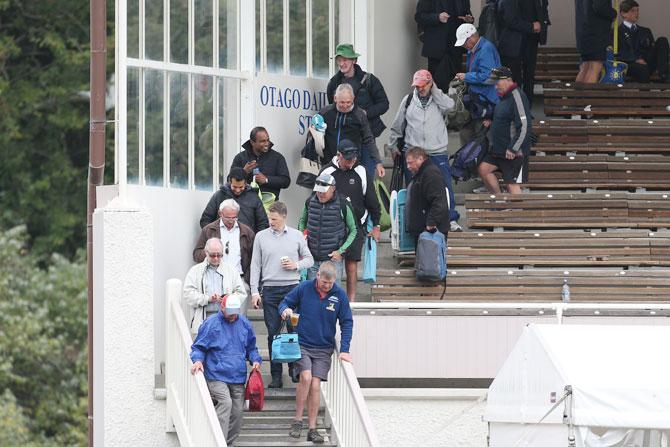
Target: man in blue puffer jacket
x,y
224,342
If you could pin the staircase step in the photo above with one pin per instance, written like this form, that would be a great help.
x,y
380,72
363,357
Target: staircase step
x,y
283,439
291,443
275,427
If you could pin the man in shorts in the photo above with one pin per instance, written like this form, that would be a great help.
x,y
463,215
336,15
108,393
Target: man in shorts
x,y
510,136
321,303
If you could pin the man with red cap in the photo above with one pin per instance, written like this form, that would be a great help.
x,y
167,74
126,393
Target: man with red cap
x,y
420,122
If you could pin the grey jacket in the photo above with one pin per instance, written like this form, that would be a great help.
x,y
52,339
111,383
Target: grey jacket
x,y
426,127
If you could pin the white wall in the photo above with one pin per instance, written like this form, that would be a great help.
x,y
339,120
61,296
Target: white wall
x,y
428,417
125,410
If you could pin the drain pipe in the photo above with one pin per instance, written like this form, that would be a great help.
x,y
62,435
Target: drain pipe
x,y
96,162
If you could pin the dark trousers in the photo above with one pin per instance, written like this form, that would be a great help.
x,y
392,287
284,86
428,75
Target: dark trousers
x,y
444,69
523,66
272,296
658,60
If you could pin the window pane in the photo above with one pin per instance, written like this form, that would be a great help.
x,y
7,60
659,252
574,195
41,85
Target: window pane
x,y
179,31
203,33
337,21
320,50
228,34
258,35
153,130
297,36
229,94
178,130
133,36
203,132
275,40
133,116
153,26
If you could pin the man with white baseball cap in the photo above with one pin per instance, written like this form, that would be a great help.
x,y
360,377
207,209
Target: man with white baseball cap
x,y
221,350
482,57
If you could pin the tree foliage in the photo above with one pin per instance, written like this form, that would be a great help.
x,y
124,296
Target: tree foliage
x,y
44,77
43,381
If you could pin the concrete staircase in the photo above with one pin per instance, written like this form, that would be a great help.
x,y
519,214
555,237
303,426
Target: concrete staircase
x,y
270,427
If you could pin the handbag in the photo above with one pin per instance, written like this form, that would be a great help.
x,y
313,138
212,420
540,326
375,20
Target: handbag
x,y
254,393
285,347
370,264
384,199
397,177
309,163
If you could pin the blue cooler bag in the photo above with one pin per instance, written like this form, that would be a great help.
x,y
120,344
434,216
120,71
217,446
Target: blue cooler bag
x,y
285,347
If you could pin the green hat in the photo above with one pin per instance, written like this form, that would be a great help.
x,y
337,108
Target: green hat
x,y
346,50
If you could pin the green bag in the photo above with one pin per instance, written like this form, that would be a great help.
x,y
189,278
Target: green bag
x,y
384,199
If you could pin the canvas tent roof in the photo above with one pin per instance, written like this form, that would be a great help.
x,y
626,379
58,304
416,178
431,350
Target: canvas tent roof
x,y
620,376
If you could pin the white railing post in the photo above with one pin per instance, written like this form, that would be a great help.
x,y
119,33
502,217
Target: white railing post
x,y
346,407
189,406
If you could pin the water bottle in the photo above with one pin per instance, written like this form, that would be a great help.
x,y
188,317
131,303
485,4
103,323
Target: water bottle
x,y
565,291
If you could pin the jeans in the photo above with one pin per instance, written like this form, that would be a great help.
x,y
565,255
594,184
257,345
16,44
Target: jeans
x,y
368,162
272,296
442,162
229,407
339,269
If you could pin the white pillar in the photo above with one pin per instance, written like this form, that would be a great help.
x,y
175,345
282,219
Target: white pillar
x,y
126,412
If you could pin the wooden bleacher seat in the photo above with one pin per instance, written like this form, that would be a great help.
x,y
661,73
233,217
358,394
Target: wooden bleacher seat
x,y
602,136
629,172
600,100
556,64
502,285
573,248
568,210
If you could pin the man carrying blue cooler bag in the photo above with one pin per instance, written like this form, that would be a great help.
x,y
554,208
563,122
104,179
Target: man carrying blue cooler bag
x,y
321,304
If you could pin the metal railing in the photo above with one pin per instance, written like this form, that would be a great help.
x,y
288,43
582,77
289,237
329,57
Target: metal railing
x,y
189,406
345,404
559,309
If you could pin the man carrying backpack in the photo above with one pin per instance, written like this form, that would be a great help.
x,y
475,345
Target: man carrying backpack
x,y
426,208
329,223
510,135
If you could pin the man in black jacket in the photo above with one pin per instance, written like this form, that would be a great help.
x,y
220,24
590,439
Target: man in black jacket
x,y
524,26
637,46
510,136
593,22
438,21
345,120
426,208
252,213
369,94
259,160
355,184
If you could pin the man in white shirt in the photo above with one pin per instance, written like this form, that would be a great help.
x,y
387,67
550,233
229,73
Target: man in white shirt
x,y
236,238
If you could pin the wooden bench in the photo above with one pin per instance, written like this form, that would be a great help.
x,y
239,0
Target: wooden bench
x,y
628,172
602,136
523,249
556,64
568,210
591,100
503,285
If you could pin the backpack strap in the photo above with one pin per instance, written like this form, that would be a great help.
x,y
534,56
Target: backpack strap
x,y
407,103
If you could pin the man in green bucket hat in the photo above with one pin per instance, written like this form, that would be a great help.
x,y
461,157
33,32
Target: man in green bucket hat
x,y
369,94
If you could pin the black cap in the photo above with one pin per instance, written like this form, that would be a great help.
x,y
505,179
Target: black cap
x,y
498,74
348,149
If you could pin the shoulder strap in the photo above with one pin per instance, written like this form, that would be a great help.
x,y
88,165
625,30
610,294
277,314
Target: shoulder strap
x,y
407,103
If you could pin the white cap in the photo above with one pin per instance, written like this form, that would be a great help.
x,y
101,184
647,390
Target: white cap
x,y
233,304
463,32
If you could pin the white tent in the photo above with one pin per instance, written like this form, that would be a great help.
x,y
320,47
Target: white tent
x,y
619,377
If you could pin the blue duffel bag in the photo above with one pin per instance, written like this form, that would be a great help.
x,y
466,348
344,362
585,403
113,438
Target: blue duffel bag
x,y
285,347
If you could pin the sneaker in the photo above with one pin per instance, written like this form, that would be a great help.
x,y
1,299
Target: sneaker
x,y
296,428
314,436
455,227
276,383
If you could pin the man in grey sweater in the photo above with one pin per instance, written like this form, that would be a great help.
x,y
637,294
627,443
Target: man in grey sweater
x,y
279,253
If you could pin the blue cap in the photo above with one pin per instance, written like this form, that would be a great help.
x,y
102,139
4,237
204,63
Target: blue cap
x,y
318,123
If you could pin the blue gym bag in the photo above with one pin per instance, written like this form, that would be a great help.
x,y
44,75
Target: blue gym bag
x,y
285,347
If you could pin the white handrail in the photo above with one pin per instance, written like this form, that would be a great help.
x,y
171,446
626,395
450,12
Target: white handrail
x,y
346,406
189,405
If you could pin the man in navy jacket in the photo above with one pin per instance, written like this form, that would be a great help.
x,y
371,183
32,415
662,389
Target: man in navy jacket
x,y
223,343
321,303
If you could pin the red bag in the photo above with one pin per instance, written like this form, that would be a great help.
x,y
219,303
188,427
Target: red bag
x,y
254,395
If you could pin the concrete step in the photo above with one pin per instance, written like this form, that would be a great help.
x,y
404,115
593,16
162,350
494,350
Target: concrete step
x,y
283,418
274,427
269,439
291,443
281,405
